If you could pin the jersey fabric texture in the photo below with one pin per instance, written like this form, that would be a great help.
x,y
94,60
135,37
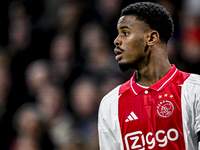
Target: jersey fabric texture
x,y
163,116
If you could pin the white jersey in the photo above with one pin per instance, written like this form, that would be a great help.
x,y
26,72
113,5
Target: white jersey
x,y
164,116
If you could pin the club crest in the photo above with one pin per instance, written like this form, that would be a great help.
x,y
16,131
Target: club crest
x,y
165,108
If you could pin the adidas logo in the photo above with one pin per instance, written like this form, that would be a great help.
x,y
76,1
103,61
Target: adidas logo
x,y
131,117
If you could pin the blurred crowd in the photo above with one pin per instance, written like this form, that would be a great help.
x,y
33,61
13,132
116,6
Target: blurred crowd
x,y
57,62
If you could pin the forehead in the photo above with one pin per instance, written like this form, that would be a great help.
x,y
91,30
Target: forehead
x,y
131,22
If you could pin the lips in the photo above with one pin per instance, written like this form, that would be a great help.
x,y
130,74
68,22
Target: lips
x,y
118,51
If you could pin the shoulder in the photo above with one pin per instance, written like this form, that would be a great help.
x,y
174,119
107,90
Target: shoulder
x,y
193,79
187,78
108,109
110,101
192,83
111,97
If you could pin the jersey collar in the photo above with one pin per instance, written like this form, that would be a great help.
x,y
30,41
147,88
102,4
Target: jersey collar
x,y
158,86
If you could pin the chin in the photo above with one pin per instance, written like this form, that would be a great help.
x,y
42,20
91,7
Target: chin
x,y
124,66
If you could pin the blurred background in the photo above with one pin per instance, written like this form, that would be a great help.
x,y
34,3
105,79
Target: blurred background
x,y
57,62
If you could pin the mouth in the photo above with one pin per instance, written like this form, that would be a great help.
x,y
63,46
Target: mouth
x,y
118,51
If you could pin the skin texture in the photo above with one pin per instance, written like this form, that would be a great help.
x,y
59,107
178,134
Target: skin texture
x,y
139,47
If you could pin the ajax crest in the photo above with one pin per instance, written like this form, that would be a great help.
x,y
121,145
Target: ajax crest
x,y
165,108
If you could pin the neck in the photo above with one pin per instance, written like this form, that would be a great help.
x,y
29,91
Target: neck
x,y
157,66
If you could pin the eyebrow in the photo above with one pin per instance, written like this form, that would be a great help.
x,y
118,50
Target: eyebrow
x,y
124,27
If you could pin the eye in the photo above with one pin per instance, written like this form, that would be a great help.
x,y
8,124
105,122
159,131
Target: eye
x,y
125,33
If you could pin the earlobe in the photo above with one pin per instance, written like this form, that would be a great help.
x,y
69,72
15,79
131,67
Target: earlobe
x,y
153,38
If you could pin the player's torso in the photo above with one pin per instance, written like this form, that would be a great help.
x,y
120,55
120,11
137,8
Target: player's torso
x,y
151,119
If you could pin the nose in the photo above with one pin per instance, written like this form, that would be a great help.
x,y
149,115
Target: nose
x,y
117,41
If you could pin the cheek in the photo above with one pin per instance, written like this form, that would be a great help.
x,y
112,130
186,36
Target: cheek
x,y
135,50
138,43
136,47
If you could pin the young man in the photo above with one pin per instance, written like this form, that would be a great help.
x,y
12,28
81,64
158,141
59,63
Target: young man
x,y
159,107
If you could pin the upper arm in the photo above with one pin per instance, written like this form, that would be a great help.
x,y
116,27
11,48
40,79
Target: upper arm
x,y
107,140
197,106
108,123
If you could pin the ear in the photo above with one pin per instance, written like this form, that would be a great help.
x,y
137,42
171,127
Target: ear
x,y
152,38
